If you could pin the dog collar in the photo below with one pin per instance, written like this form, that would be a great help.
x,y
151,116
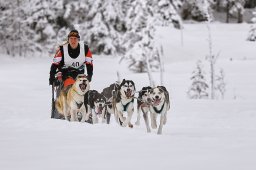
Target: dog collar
x,y
79,105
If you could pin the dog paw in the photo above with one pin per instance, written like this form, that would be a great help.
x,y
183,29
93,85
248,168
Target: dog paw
x,y
130,125
159,132
124,124
137,123
154,126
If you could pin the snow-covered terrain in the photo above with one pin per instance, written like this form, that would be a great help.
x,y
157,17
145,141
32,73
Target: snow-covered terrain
x,y
199,135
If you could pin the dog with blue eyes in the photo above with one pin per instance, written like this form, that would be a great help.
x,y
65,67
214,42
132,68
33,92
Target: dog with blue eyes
x,y
95,105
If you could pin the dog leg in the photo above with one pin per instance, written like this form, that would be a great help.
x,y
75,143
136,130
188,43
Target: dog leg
x,y
108,115
128,119
138,117
153,120
165,119
83,111
145,116
73,115
66,111
159,132
87,113
121,116
94,117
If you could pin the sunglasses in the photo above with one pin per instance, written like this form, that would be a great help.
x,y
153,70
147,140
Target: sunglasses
x,y
73,34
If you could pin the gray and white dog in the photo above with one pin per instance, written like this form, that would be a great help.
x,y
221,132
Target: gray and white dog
x,y
121,97
160,104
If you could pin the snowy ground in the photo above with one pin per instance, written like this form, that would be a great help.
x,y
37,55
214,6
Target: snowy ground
x,y
199,135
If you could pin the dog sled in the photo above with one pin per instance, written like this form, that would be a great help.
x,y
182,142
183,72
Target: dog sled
x,y
63,78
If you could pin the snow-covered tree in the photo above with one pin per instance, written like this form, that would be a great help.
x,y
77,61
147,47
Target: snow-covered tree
x,y
237,9
199,87
16,37
220,85
167,11
234,8
198,10
105,26
139,39
252,32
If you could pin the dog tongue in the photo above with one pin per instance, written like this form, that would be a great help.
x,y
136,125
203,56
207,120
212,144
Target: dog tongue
x,y
128,93
157,101
82,86
100,110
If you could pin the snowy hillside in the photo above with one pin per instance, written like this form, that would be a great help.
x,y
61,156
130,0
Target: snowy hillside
x,y
199,135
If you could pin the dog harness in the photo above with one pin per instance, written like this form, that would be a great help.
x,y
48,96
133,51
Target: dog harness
x,y
126,106
159,111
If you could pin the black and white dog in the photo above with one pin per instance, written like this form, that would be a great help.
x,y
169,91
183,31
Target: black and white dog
x,y
108,93
160,104
95,105
143,103
122,98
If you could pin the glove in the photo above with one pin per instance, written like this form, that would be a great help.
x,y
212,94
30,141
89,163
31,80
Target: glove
x,y
89,78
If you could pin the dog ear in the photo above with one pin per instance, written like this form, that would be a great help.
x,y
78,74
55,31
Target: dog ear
x,y
122,83
118,96
166,94
140,93
133,85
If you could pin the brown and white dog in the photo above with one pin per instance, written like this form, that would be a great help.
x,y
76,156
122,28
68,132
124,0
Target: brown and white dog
x,y
143,103
160,104
71,98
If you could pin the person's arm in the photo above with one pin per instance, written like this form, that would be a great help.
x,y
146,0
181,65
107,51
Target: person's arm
x,y
55,65
89,64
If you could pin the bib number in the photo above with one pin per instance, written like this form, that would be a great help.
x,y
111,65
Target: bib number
x,y
75,64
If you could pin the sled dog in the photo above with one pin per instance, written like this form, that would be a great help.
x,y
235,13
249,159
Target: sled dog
x,y
108,93
122,99
160,104
71,98
94,103
143,103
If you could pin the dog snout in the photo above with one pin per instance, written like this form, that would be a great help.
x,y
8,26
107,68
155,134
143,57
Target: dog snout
x,y
100,105
84,81
157,97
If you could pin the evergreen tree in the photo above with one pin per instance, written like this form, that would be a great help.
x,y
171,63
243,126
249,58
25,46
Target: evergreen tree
x,y
252,32
220,85
236,8
198,89
139,39
167,12
105,26
16,37
198,10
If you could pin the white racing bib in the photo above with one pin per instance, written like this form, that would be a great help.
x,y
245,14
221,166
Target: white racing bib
x,y
71,62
